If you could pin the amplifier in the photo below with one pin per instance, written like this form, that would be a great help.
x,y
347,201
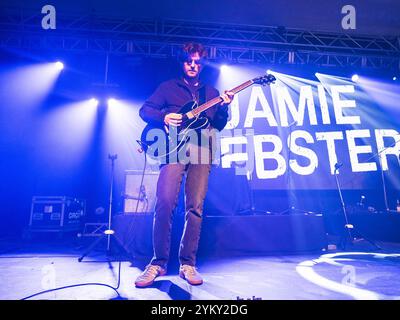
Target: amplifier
x,y
140,198
56,213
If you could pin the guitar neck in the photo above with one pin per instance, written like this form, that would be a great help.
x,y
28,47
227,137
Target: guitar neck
x,y
195,112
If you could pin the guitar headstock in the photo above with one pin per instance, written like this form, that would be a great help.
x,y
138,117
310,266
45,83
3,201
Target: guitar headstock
x,y
264,80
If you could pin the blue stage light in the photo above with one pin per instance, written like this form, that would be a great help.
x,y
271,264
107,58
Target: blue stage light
x,y
94,102
223,68
59,65
111,102
355,78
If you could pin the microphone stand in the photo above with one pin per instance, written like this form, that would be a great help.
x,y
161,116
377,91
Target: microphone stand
x,y
385,198
109,232
349,232
252,210
141,196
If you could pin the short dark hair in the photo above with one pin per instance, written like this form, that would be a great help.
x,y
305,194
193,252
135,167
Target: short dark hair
x,y
193,47
190,48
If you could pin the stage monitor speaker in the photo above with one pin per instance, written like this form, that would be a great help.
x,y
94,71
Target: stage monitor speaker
x,y
140,199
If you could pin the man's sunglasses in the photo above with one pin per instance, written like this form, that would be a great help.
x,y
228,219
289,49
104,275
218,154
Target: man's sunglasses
x,y
197,62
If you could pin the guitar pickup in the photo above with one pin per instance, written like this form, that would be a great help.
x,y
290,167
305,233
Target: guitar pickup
x,y
190,115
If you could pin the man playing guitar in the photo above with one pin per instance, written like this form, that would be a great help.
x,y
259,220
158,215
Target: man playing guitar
x,y
162,109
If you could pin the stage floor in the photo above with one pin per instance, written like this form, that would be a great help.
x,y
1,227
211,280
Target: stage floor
x,y
27,268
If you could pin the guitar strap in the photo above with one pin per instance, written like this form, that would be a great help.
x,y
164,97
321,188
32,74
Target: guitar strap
x,y
202,98
202,95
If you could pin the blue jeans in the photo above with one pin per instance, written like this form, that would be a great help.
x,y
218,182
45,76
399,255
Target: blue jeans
x,y
168,187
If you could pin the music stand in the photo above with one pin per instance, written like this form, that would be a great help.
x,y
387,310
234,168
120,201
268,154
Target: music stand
x,y
252,210
349,232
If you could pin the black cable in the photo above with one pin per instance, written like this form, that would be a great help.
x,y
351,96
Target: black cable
x,y
132,225
81,285
119,264
88,283
141,181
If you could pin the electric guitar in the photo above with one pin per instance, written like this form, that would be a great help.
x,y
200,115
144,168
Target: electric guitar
x,y
159,142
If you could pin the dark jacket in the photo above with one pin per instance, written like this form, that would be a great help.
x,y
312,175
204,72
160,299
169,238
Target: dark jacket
x,y
171,95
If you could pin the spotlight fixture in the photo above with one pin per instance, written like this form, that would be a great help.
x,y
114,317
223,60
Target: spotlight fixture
x,y
59,65
355,78
111,102
394,78
94,102
223,67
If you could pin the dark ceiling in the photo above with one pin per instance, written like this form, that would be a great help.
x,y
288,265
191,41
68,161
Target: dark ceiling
x,y
373,17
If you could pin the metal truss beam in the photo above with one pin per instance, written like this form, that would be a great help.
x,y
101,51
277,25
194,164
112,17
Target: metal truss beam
x,y
162,38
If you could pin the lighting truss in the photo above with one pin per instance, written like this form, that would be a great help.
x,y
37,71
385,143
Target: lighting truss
x,y
227,42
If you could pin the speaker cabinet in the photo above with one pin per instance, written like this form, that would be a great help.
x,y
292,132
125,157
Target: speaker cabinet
x,y
140,197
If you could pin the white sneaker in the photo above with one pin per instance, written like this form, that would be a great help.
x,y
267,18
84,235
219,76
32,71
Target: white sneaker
x,y
190,274
148,275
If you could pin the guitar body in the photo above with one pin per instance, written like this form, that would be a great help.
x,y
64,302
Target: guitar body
x,y
159,142
163,143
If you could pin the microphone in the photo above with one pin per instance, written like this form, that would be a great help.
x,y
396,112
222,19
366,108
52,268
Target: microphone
x,y
141,144
127,196
338,165
143,194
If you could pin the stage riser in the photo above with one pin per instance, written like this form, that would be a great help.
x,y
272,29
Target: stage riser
x,y
230,235
379,226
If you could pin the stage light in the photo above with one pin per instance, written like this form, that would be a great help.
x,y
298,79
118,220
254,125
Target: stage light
x,y
354,78
223,68
94,102
394,78
269,71
111,102
37,81
59,65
